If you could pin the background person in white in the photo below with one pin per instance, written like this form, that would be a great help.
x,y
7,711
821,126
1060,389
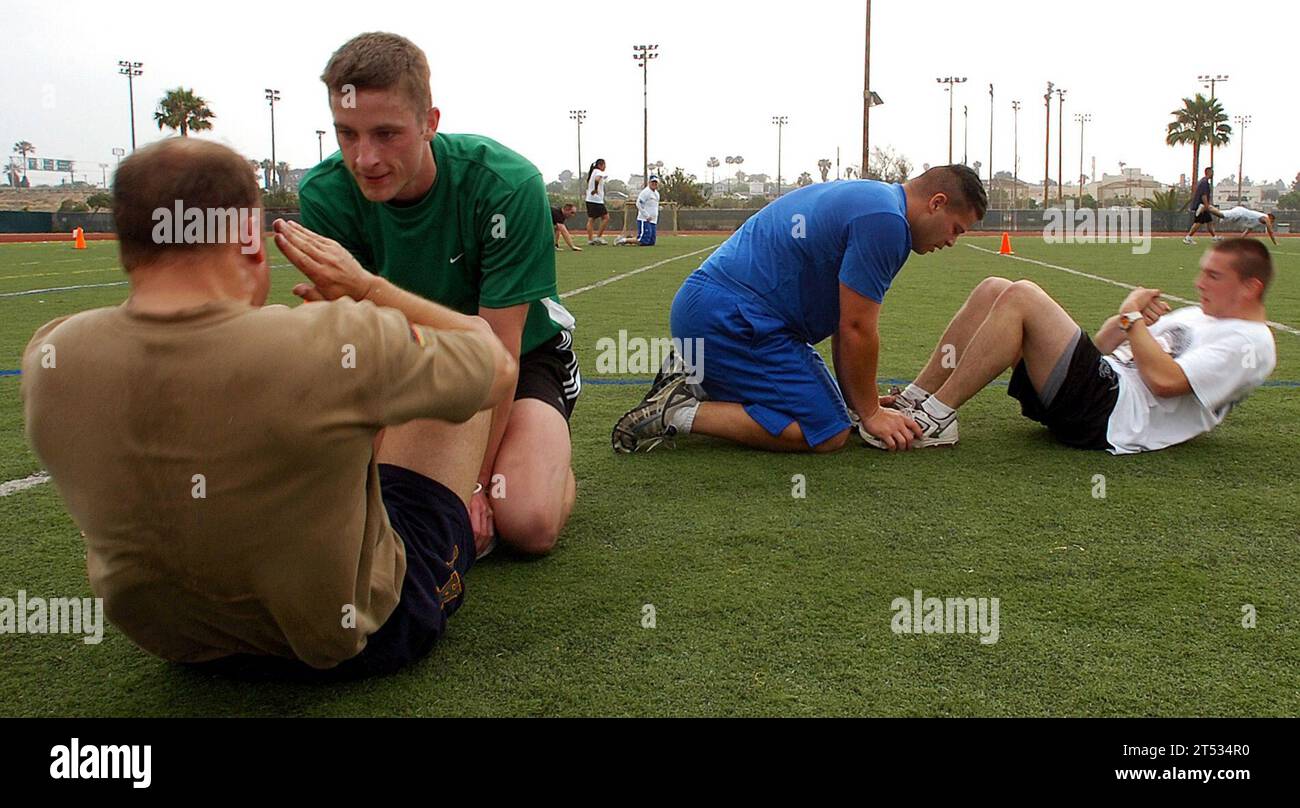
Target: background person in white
x,y
1149,380
1248,220
596,210
647,216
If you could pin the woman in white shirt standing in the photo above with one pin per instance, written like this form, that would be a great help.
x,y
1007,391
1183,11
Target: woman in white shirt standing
x,y
596,210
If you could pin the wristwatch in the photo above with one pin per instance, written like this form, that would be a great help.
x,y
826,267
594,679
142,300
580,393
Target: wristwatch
x,y
1128,318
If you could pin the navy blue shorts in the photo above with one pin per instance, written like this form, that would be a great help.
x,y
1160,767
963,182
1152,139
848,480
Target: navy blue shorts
x,y
749,356
434,526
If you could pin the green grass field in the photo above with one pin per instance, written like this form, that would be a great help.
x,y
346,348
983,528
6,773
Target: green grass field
x,y
771,605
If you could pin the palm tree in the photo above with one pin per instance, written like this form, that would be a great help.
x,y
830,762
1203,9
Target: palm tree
x,y
22,148
1164,200
713,163
1196,123
282,173
849,172
266,174
182,111
804,179
824,166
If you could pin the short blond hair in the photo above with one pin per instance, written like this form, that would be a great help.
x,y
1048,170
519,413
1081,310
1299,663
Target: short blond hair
x,y
381,61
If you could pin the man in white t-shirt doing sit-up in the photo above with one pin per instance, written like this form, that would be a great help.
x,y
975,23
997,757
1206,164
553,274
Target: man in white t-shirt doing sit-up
x,y
1149,379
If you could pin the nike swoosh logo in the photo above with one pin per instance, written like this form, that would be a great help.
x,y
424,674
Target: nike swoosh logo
x,y
457,258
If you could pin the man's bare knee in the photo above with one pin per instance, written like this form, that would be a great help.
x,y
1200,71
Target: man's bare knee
x,y
1021,293
833,444
990,288
532,529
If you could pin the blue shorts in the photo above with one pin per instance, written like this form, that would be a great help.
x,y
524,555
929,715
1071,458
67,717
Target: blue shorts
x,y
645,232
751,357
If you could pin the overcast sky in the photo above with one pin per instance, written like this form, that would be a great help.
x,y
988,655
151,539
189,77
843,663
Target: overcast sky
x,y
512,70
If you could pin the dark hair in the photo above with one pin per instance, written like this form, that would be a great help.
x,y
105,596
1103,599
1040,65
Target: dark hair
x,y
1250,259
178,171
568,205
379,61
960,183
592,168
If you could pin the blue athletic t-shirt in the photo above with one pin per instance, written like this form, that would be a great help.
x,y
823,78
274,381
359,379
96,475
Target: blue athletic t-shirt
x,y
793,254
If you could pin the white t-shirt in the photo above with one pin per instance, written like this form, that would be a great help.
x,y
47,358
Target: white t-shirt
x,y
1244,217
647,206
596,186
1224,359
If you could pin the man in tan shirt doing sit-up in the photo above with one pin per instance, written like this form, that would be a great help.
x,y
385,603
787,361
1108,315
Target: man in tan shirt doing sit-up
x,y
265,490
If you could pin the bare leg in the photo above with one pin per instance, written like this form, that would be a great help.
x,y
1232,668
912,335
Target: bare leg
x,y
967,320
604,222
533,487
590,237
728,420
447,453
1024,322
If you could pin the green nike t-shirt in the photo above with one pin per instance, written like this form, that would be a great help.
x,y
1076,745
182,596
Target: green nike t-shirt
x,y
481,236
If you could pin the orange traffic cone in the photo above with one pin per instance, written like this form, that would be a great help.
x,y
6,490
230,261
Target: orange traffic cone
x,y
1006,244
80,236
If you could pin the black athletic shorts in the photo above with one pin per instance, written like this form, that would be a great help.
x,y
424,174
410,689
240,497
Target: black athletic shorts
x,y
1204,218
549,373
434,527
1080,411
596,209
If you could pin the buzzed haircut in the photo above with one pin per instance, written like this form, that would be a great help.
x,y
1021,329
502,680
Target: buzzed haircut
x,y
1250,259
180,173
961,184
381,61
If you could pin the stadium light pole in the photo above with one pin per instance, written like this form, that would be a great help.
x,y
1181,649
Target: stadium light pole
x,y
1060,146
131,70
990,138
780,121
866,102
1242,122
965,135
320,145
950,81
579,115
103,168
1047,145
1082,118
1015,154
643,54
1210,81
271,97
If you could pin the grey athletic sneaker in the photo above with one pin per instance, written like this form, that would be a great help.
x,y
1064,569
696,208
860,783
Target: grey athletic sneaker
x,y
646,426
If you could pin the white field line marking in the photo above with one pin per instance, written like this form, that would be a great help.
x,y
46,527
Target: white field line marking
x,y
1278,326
86,285
14,486
62,289
637,271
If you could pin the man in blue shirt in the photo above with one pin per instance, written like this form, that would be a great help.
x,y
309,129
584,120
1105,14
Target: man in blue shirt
x,y
813,264
1202,205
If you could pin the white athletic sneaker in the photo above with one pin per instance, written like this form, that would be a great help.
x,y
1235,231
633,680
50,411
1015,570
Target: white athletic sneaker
x,y
601,240
1217,238
1188,240
933,431
867,438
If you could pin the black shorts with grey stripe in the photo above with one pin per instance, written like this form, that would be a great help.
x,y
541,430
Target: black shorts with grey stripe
x,y
549,373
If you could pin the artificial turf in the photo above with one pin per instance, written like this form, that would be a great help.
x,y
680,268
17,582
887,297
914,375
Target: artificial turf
x,y
770,604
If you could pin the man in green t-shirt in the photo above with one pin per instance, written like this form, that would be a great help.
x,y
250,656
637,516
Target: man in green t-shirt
x,y
463,221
